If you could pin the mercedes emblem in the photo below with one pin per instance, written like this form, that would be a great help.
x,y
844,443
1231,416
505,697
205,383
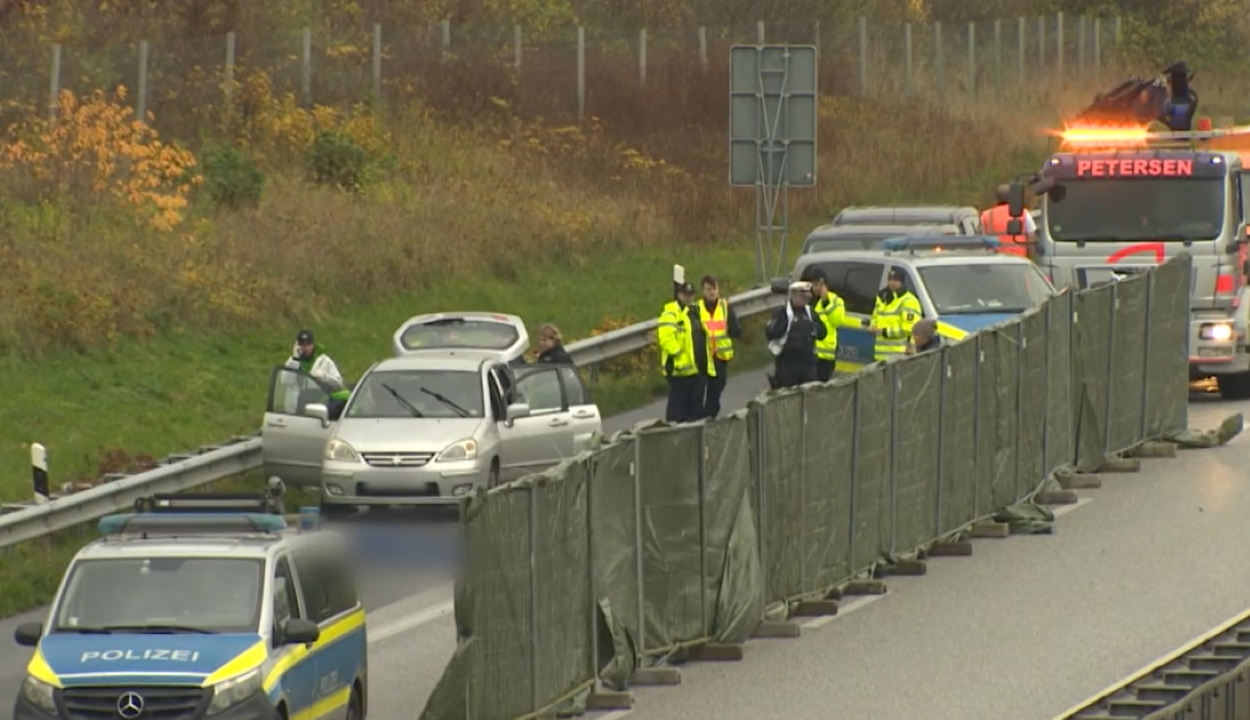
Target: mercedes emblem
x,y
130,705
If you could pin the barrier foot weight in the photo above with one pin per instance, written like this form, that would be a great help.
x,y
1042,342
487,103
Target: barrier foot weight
x,y
717,652
656,676
950,548
904,566
776,629
1153,449
601,699
1055,497
864,587
1120,465
989,529
1080,481
815,608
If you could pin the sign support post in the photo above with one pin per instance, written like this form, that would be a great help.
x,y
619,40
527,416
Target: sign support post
x,y
772,135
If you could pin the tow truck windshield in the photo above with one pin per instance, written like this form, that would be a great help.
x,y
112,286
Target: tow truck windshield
x,y
984,288
162,595
1137,210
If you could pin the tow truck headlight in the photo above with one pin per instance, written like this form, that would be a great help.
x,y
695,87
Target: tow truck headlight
x,y
231,692
39,693
341,451
1218,332
461,450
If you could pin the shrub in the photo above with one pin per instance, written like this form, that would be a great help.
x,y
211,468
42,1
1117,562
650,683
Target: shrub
x,y
231,177
337,160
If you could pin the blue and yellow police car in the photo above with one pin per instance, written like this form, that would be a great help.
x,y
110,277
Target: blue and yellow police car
x,y
201,606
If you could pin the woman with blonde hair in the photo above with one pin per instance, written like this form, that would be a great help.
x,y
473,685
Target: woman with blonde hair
x,y
551,346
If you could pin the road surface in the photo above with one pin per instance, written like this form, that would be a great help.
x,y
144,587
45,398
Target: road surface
x,y
1024,628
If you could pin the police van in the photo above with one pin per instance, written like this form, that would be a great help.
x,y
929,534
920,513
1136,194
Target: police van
x,y
963,282
200,606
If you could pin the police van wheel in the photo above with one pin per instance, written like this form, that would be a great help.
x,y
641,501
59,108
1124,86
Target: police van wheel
x,y
354,711
1234,386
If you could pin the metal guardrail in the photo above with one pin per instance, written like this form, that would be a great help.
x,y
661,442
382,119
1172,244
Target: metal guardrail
x,y
1187,684
239,455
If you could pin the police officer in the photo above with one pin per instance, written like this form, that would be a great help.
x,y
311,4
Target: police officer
x,y
310,359
896,312
683,355
831,311
720,325
792,335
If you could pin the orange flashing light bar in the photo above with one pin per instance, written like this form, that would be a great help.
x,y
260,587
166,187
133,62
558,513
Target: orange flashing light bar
x,y
1112,137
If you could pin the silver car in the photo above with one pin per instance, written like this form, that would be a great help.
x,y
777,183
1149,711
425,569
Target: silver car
x,y
453,412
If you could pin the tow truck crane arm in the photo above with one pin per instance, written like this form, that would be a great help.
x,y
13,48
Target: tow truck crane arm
x,y
1167,98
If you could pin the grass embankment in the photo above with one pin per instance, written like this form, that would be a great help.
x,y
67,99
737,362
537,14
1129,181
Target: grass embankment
x,y
141,324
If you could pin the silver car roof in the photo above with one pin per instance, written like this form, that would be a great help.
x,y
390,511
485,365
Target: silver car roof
x,y
516,349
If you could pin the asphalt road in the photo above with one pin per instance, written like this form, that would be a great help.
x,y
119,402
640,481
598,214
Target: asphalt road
x,y
1024,628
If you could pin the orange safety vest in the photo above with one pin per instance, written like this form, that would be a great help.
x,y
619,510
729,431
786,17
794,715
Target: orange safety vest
x,y
994,222
716,327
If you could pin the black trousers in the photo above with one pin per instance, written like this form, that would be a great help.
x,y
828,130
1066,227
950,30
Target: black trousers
x,y
715,387
792,374
685,399
824,369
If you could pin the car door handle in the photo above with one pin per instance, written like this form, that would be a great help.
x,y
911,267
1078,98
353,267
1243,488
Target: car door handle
x,y
583,414
275,423
558,422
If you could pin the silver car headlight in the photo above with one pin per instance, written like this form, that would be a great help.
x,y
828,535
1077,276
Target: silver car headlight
x,y
460,450
228,693
341,451
40,694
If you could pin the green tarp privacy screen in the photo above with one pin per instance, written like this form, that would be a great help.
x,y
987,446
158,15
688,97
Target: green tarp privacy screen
x,y
664,538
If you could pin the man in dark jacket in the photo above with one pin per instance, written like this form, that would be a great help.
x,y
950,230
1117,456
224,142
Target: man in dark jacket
x,y
792,334
924,337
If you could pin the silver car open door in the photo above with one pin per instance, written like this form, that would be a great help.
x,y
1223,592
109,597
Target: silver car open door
x,y
292,442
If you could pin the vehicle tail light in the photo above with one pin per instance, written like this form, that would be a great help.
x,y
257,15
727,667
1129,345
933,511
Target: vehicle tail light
x,y
1224,285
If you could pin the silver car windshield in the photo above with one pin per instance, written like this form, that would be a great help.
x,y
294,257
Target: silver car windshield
x,y
168,594
984,288
418,394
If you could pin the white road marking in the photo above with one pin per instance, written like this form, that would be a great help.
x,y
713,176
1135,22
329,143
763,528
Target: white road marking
x,y
615,714
844,610
412,621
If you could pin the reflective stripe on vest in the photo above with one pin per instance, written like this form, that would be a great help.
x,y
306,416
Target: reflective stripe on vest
x,y
674,318
716,325
894,331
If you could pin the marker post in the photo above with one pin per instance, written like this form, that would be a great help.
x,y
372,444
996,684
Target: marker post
x,y
39,472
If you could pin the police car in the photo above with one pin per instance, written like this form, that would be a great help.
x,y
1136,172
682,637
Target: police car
x,y
200,606
963,282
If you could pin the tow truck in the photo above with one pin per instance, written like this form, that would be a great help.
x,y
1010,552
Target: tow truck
x,y
1138,178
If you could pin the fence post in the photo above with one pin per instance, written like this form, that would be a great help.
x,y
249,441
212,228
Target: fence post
x,y
816,33
642,57
141,97
1020,38
377,65
998,56
1080,46
306,64
937,61
533,540
1041,45
1020,343
54,81
1059,46
1097,47
761,499
516,49
230,68
759,32
638,564
1046,468
976,426
1145,365
591,472
581,72
802,484
892,373
703,47
944,372
972,59
855,414
863,55
446,28
1106,432
39,472
907,60
1119,27
704,621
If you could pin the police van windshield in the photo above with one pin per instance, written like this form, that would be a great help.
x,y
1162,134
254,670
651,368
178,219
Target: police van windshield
x,y
1136,210
169,594
984,288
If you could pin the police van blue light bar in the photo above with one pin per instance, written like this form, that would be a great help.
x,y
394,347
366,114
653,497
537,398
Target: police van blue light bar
x,y
184,524
939,243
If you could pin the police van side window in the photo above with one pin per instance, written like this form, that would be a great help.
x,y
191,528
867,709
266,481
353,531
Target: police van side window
x,y
857,283
327,583
285,601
